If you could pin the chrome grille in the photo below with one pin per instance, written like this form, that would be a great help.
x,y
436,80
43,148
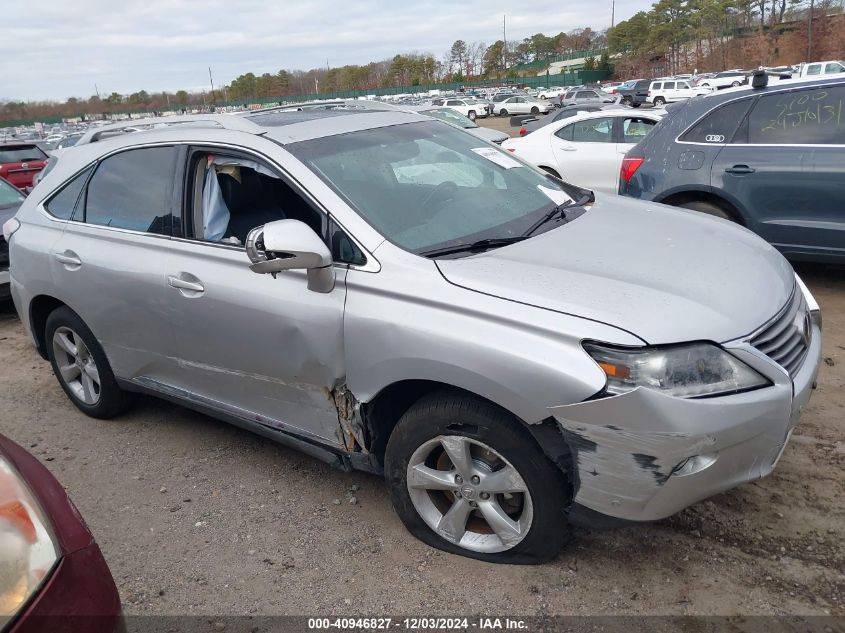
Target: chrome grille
x,y
786,338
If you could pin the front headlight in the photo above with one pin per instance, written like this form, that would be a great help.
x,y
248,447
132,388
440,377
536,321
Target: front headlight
x,y
27,552
684,371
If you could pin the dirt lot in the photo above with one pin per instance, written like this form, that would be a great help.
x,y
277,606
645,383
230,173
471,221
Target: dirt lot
x,y
195,516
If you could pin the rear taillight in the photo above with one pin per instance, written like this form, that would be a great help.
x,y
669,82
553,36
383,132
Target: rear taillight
x,y
9,227
630,167
522,131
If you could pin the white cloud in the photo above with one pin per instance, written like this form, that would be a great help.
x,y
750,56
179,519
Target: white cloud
x,y
58,48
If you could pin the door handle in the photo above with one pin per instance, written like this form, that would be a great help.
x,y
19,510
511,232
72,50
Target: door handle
x,y
740,169
68,258
182,284
569,148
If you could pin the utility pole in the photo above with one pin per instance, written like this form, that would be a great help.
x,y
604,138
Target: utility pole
x,y
612,13
96,91
505,47
211,79
810,34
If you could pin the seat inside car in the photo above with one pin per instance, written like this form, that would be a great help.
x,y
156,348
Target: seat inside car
x,y
251,202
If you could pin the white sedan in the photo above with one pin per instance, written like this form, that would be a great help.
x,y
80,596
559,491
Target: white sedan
x,y
586,149
521,105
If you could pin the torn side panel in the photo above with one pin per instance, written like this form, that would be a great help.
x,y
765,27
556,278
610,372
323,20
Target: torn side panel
x,y
629,448
349,418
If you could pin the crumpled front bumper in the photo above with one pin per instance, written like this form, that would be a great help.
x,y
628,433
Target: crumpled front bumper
x,y
630,450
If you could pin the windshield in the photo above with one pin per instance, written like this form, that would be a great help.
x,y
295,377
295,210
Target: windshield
x,y
425,186
450,116
21,154
9,195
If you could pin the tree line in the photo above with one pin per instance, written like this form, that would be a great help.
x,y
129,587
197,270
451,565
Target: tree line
x,y
710,35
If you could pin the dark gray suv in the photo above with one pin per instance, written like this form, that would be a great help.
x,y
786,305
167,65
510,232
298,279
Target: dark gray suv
x,y
771,158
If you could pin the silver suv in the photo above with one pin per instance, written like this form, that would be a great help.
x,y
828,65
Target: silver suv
x,y
389,293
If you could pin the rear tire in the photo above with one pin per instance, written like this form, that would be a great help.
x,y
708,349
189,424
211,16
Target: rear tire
x,y
707,207
503,112
81,366
471,115
535,110
659,101
480,486
735,84
635,105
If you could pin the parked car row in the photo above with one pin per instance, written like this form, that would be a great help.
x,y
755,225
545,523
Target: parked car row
x,y
767,156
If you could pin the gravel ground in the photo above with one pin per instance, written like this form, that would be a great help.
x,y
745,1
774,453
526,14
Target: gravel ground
x,y
197,517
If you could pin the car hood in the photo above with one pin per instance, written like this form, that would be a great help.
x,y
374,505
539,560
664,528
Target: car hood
x,y
666,275
487,134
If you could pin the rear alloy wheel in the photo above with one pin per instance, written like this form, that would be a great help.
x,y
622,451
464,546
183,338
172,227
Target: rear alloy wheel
x,y
707,207
465,477
503,112
471,115
81,366
659,101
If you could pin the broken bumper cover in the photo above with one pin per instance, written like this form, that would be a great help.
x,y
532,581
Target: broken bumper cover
x,y
642,455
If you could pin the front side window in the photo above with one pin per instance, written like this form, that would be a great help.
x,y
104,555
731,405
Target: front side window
x,y
682,85
426,185
834,67
62,204
718,126
813,116
669,85
593,131
132,190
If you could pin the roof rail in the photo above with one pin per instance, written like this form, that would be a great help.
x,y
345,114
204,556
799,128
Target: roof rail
x,y
224,121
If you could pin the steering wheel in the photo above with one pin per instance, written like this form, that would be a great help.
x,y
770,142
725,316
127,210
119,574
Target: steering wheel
x,y
447,188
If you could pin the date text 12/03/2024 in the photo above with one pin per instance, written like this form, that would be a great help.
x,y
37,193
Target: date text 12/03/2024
x,y
420,623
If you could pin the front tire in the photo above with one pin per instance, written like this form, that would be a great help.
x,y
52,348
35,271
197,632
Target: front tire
x,y
81,366
503,112
471,115
535,110
465,477
735,84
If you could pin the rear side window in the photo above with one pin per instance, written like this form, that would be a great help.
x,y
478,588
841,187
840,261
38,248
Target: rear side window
x,y
813,116
814,69
718,126
635,129
132,190
63,203
669,85
593,131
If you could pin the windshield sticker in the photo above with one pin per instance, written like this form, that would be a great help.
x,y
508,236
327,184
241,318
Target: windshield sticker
x,y
555,195
495,156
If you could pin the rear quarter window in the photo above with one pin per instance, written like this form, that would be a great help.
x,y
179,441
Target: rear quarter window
x,y
718,126
21,154
63,203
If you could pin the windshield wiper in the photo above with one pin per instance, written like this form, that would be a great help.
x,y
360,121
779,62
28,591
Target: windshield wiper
x,y
587,196
477,246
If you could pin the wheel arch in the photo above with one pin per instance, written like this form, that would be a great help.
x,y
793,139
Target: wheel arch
x,y
678,198
382,412
39,309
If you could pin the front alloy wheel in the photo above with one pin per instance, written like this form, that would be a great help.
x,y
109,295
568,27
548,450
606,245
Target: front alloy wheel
x,y
467,477
469,494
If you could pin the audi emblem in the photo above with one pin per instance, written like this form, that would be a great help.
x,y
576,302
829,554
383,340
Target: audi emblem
x,y
714,138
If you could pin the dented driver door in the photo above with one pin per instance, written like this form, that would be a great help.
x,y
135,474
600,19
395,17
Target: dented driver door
x,y
261,348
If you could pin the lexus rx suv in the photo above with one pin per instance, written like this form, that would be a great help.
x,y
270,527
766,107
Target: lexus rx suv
x,y
389,293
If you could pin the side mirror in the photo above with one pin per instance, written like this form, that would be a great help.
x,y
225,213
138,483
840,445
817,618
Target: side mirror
x,y
291,245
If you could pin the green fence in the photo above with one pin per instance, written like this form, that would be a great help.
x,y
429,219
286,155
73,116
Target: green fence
x,y
539,64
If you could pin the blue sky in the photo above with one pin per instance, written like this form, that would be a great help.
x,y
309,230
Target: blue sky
x,y
60,48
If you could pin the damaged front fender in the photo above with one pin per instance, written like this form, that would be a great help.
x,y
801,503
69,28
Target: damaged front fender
x,y
634,452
